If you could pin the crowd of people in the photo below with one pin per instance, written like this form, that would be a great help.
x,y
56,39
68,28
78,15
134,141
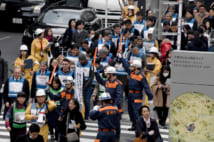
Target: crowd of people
x,y
123,62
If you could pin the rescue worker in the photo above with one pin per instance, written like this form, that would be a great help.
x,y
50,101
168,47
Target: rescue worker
x,y
152,74
99,89
20,62
65,71
88,78
37,112
131,28
137,54
108,118
12,86
112,85
104,58
40,78
148,42
125,9
137,81
131,15
64,96
14,120
73,54
105,40
40,46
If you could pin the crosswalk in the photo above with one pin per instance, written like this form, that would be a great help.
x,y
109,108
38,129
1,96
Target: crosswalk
x,y
90,133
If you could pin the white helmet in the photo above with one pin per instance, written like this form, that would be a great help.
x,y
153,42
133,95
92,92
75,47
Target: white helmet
x,y
150,31
23,47
40,92
136,63
153,50
131,7
110,69
68,80
105,96
39,31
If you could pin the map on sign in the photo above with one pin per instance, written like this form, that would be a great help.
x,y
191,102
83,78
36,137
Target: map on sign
x,y
192,118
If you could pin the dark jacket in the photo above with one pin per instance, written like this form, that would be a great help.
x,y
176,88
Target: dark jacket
x,y
67,38
79,37
74,115
198,44
25,89
3,71
26,138
141,129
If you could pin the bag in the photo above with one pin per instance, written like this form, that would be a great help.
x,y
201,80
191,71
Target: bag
x,y
72,137
158,139
139,139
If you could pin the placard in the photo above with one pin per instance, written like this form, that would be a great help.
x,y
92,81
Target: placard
x,y
191,98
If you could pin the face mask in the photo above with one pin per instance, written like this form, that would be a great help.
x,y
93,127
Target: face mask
x,y
92,36
165,74
169,59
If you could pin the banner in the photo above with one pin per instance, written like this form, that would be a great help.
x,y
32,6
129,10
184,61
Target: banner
x,y
191,98
78,85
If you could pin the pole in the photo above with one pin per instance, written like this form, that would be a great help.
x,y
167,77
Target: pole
x,y
106,14
179,25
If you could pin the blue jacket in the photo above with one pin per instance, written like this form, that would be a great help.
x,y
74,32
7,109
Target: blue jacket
x,y
114,88
137,81
108,117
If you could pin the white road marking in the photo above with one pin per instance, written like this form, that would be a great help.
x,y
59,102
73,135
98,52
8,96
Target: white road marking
x,y
6,37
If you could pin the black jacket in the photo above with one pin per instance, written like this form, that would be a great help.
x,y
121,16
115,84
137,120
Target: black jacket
x,y
198,44
26,138
3,71
79,37
67,38
141,129
74,115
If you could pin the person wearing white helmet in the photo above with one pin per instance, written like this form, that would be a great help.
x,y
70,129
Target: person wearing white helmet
x,y
148,42
112,85
108,118
37,112
153,59
136,83
40,46
131,15
27,63
64,96
125,9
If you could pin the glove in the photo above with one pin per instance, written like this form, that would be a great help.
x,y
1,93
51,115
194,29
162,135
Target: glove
x,y
150,102
95,69
119,55
96,108
151,132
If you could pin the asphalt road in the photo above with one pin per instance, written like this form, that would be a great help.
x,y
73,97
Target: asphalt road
x,y
9,45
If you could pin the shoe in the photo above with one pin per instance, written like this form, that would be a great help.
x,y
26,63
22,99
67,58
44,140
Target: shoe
x,y
163,125
52,138
133,128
